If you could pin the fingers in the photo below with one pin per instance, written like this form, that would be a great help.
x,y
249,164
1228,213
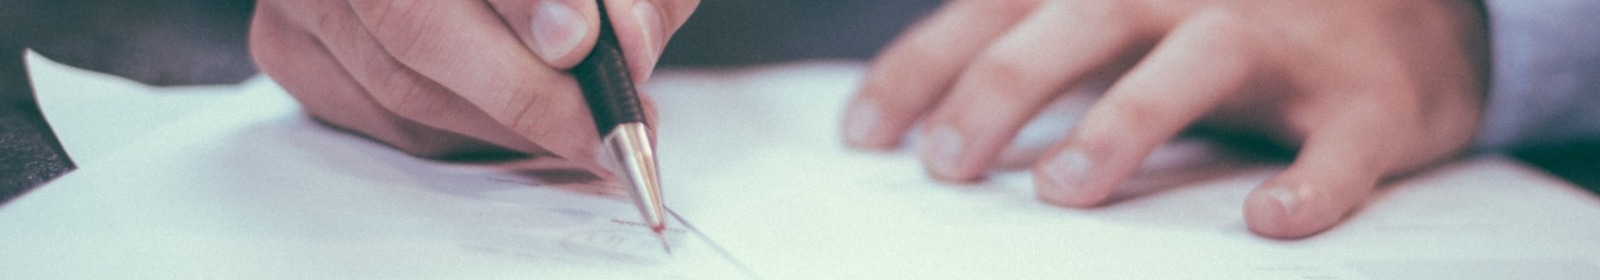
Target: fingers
x,y
563,32
1014,78
915,71
308,71
643,28
1146,108
463,47
403,91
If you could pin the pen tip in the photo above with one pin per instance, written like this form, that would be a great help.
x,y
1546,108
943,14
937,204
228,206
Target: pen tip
x,y
664,246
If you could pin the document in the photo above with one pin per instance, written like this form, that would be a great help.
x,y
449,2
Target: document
x,y
755,155
760,186
255,189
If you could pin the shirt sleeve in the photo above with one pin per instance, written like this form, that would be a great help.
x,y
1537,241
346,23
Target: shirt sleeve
x,y
1545,78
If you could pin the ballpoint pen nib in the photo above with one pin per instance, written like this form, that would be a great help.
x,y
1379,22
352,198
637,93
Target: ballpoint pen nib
x,y
661,234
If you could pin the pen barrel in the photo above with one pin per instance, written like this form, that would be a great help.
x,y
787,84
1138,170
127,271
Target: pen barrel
x,y
607,85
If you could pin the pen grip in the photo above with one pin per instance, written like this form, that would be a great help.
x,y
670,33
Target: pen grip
x,y
606,83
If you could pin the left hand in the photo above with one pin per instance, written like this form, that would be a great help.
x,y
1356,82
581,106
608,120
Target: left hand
x,y
1366,89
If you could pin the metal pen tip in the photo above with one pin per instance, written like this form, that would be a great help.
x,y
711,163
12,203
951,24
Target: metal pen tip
x,y
629,146
661,234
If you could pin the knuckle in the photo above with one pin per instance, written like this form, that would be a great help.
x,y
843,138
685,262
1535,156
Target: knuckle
x,y
1096,139
1005,74
525,114
410,98
1223,23
1141,114
910,56
1224,26
401,26
679,11
1106,11
1102,142
903,73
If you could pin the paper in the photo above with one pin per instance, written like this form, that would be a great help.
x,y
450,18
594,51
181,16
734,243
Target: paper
x,y
253,188
756,156
96,114
753,160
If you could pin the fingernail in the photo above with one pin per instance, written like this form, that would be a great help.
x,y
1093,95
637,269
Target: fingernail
x,y
650,23
861,123
557,29
1285,198
1069,171
941,152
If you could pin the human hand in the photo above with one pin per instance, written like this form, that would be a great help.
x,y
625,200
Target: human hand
x,y
1365,89
455,78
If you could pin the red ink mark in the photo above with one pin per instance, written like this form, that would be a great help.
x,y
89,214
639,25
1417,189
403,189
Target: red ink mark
x,y
663,228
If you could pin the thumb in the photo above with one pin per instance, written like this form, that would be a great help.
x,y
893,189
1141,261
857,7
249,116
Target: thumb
x,y
1333,174
563,32
559,32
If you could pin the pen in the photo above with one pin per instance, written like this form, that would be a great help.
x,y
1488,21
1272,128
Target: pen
x,y
619,117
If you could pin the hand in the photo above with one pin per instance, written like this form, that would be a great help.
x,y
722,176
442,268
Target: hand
x,y
455,77
1365,89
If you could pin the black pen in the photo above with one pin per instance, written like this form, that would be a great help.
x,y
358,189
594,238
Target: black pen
x,y
619,116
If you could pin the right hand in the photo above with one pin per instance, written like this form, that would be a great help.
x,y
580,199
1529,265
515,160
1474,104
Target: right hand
x,y
453,78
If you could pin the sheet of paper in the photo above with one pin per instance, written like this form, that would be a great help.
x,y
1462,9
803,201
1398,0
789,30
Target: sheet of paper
x,y
255,189
96,114
755,155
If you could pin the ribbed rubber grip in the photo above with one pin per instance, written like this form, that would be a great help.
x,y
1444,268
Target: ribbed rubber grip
x,y
606,83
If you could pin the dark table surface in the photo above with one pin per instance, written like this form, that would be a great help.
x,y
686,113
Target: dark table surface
x,y
175,42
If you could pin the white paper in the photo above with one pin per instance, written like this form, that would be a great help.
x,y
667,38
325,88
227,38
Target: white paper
x,y
253,188
95,115
756,157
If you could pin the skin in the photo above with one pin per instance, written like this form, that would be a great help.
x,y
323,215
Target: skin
x,y
454,78
1364,90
